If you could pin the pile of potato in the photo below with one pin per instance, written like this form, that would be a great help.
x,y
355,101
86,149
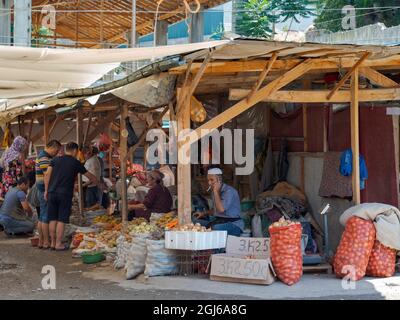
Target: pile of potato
x,y
192,227
283,223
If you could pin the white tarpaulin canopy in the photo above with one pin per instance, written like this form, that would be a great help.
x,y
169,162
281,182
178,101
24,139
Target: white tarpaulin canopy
x,y
28,75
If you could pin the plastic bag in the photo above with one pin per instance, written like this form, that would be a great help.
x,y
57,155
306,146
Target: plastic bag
x,y
354,249
197,112
382,262
123,247
136,258
160,261
286,253
256,226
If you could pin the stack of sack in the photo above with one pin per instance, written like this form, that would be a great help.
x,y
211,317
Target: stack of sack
x,y
369,243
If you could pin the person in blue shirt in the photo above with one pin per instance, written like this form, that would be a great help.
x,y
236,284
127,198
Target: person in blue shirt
x,y
15,212
225,214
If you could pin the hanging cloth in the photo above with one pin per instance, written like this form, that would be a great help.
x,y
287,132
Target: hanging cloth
x,y
346,166
132,137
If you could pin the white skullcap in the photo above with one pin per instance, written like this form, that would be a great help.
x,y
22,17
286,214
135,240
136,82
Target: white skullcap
x,y
214,171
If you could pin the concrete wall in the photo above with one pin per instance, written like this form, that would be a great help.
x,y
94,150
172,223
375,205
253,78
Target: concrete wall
x,y
376,34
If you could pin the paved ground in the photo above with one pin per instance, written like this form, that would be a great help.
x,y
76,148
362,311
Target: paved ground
x,y
21,266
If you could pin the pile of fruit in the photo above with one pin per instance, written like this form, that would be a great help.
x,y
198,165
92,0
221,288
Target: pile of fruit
x,y
191,227
142,228
165,220
108,238
106,219
137,221
80,237
283,223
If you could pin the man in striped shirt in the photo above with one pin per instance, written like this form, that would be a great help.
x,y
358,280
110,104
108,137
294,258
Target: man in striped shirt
x,y
42,163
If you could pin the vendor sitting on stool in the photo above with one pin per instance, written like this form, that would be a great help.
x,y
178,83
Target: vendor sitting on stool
x,y
225,214
157,200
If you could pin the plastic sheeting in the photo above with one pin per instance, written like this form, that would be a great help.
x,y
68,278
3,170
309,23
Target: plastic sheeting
x,y
29,75
154,91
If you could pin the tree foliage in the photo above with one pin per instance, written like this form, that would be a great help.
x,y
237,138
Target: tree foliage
x,y
331,19
255,17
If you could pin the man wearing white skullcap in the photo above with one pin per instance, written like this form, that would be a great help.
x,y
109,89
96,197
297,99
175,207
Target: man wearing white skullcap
x,y
225,214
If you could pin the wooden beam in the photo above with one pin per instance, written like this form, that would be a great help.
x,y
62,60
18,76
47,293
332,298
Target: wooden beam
x,y
348,74
194,83
67,133
263,75
123,152
355,140
319,96
244,105
56,121
142,137
184,173
102,125
257,65
377,78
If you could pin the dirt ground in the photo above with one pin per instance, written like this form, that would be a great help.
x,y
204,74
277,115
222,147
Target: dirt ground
x,y
21,276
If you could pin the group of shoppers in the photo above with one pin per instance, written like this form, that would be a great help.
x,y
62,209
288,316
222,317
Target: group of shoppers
x,y
55,180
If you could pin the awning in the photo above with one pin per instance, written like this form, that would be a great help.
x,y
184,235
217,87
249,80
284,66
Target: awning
x,y
29,75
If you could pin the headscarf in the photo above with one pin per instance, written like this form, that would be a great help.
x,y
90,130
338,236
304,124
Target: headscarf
x,y
157,175
14,152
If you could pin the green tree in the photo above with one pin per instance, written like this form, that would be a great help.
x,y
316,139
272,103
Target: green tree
x,y
293,9
328,19
255,17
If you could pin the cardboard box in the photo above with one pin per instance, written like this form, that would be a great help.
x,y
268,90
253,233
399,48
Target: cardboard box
x,y
236,266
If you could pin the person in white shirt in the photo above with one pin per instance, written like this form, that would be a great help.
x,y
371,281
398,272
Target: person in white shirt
x,y
93,166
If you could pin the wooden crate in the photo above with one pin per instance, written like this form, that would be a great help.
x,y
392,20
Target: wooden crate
x,y
319,268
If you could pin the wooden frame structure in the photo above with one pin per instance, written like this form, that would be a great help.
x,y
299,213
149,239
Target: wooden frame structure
x,y
92,24
277,75
270,78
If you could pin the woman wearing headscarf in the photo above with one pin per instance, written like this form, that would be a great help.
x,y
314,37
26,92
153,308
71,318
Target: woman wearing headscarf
x,y
157,200
11,162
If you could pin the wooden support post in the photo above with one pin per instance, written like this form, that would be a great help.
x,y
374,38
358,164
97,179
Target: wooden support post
x,y
307,86
110,161
395,120
184,175
30,130
85,139
123,152
302,175
79,140
325,133
355,137
45,128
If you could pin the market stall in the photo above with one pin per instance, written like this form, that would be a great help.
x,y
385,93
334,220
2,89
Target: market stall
x,y
287,93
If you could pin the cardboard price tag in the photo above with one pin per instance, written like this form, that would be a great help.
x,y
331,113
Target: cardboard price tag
x,y
248,246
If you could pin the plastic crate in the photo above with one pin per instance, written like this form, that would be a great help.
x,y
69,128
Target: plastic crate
x,y
190,240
